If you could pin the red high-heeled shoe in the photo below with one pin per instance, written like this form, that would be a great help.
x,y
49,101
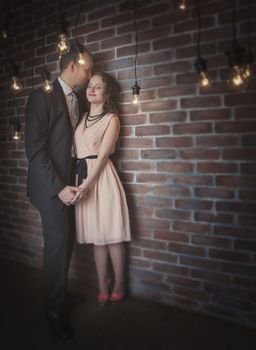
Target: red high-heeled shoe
x,y
117,297
103,298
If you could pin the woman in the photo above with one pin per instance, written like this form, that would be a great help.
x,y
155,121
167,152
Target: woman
x,y
102,216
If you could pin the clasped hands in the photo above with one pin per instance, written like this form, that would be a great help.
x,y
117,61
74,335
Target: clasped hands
x,y
71,195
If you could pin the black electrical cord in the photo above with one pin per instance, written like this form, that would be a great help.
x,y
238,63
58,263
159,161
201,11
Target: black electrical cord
x,y
199,19
136,39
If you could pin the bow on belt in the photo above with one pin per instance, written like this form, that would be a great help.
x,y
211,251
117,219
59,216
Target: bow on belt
x,y
81,167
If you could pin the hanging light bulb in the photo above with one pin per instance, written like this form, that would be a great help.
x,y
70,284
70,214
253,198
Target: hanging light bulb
x,y
248,65
236,80
47,84
63,45
81,60
15,85
16,136
4,33
201,67
136,92
182,6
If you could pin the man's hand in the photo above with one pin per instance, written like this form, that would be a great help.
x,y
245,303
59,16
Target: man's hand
x,y
67,194
83,192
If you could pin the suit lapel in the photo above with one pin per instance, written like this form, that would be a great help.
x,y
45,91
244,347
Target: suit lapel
x,y
60,96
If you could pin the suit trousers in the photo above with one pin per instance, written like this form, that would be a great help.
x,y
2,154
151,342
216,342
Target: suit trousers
x,y
58,233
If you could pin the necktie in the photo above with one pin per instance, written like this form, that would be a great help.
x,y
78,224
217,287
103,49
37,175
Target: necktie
x,y
74,113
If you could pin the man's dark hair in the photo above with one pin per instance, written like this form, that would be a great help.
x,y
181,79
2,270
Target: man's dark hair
x,y
71,56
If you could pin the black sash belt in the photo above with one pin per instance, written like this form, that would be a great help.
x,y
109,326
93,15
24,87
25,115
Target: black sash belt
x,y
81,167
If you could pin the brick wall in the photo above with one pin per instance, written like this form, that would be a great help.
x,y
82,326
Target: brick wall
x,y
186,157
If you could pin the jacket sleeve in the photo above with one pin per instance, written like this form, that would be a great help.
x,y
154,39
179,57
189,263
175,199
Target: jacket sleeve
x,y
36,135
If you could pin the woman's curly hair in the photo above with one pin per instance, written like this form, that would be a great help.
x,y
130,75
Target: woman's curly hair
x,y
112,92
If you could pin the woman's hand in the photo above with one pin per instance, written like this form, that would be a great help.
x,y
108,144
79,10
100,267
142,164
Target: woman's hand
x,y
82,193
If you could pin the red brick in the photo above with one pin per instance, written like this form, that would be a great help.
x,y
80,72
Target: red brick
x,y
236,207
116,19
178,141
235,127
157,154
191,227
140,71
240,99
167,117
156,255
190,25
151,11
170,269
152,178
172,190
195,102
102,56
153,201
247,220
130,50
236,181
189,51
209,241
215,167
140,263
175,167
245,112
199,154
158,82
142,211
136,165
215,218
249,141
199,262
127,142
247,194
134,120
186,282
116,41
153,34
217,141
173,214
152,130
193,204
173,42
192,294
128,28
248,168
194,128
187,249
229,255
153,224
235,231
211,114
193,180
100,35
247,245
179,91
210,276
174,67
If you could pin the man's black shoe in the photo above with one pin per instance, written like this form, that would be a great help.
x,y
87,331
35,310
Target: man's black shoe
x,y
58,326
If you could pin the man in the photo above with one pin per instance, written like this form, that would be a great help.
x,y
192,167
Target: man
x,y
50,121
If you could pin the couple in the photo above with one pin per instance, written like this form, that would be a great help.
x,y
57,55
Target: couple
x,y
73,183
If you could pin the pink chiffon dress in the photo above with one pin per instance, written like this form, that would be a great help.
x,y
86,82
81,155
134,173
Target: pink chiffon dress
x,y
102,216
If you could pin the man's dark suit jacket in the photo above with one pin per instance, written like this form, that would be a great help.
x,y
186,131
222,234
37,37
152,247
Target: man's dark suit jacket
x,y
48,142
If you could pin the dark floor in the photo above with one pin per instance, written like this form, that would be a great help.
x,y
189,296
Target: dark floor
x,y
130,325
